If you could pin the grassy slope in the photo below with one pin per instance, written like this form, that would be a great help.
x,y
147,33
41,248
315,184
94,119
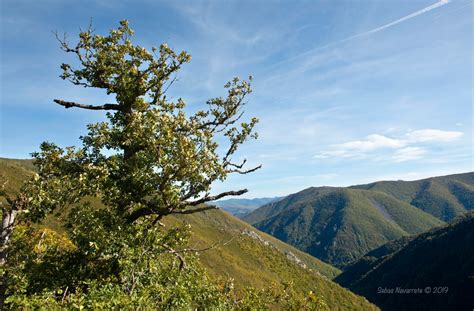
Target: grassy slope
x,y
245,259
14,172
444,197
339,225
441,257
250,262
214,226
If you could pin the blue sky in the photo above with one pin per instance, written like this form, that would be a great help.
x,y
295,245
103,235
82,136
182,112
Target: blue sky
x,y
347,91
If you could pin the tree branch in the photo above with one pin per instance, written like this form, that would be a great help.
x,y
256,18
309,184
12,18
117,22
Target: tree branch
x,y
237,166
150,210
200,250
170,250
246,171
67,104
140,213
196,210
216,197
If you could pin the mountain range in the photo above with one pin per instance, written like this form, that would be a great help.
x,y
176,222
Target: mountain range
x,y
339,225
400,244
241,207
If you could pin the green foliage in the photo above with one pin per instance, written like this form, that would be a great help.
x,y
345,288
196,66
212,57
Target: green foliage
x,y
254,269
48,271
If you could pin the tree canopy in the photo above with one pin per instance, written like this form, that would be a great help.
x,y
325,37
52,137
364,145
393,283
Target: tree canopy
x,y
159,160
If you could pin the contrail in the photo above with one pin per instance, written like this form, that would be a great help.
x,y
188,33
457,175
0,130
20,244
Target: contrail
x,y
398,21
369,32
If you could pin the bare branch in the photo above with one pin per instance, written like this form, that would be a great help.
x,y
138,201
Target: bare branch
x,y
67,104
157,221
151,209
199,250
65,293
182,264
239,166
170,84
246,171
216,197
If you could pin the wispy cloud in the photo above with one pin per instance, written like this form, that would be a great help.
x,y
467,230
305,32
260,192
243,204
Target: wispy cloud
x,y
433,135
409,153
373,142
326,76
403,146
365,33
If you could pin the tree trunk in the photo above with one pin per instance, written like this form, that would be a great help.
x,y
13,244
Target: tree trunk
x,y
8,224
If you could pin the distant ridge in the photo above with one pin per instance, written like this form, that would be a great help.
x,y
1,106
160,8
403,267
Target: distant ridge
x,y
444,197
241,207
339,225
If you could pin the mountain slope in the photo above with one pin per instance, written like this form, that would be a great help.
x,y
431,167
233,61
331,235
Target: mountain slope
x,y
339,225
241,207
441,259
13,172
444,197
217,226
249,256
257,259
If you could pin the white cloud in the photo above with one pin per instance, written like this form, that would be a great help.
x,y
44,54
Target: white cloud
x,y
358,148
408,153
427,135
373,142
405,147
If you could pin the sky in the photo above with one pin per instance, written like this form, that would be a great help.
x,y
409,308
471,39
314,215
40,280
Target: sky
x,y
347,92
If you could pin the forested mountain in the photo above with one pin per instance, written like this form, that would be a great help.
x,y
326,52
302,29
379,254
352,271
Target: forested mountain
x,y
439,262
241,207
444,197
239,251
339,225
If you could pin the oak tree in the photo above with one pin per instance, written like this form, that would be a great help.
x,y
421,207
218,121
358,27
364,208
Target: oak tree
x,y
151,157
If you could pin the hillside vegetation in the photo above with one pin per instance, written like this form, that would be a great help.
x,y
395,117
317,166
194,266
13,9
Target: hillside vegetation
x,y
238,251
339,225
441,260
444,197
